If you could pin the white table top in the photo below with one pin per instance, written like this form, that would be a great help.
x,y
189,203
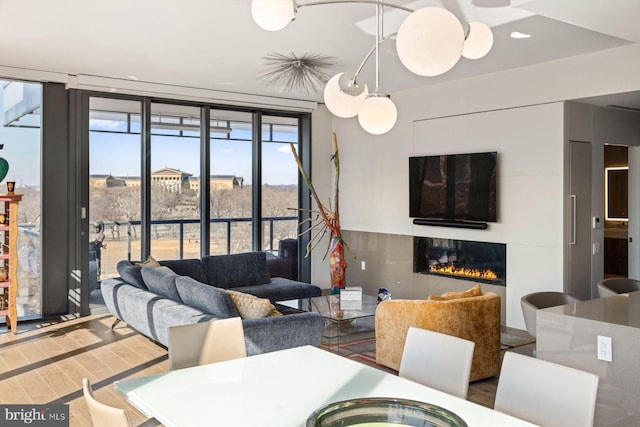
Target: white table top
x,y
281,389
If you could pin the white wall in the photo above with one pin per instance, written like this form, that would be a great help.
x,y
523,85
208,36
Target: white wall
x,y
500,111
529,142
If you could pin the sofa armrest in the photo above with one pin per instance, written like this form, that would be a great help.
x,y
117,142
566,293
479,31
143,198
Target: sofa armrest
x,y
476,319
281,332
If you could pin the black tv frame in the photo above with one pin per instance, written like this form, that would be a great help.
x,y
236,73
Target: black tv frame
x,y
455,222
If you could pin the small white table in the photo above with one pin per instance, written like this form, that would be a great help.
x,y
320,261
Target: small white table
x,y
281,389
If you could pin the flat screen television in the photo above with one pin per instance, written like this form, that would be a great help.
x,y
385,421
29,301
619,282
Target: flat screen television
x,y
453,187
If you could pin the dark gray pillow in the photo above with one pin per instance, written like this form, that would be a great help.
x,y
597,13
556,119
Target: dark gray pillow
x,y
130,273
233,271
162,281
206,298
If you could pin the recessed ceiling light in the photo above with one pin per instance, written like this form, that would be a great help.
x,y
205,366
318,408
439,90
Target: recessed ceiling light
x,y
519,35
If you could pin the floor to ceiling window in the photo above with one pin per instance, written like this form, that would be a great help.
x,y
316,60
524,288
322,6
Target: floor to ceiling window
x,y
20,145
230,182
279,181
175,171
179,164
114,185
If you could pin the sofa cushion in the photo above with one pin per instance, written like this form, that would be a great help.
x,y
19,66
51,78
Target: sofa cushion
x,y
187,267
232,271
161,281
473,292
206,298
130,273
250,307
282,289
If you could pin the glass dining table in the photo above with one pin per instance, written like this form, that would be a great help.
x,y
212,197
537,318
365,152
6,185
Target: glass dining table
x,y
281,389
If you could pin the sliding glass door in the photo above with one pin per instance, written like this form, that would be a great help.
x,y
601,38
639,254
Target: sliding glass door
x,y
114,186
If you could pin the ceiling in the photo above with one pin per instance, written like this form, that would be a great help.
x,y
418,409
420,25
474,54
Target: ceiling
x,y
215,44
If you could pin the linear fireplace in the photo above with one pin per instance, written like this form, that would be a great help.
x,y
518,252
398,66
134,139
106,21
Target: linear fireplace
x,y
461,259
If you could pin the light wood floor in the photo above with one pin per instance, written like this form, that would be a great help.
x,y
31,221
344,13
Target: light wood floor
x,y
45,363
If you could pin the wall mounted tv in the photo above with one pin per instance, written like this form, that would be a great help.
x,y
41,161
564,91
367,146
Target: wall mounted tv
x,y
457,187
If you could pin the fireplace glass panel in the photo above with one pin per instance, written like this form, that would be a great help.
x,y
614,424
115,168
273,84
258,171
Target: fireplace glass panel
x,y
461,259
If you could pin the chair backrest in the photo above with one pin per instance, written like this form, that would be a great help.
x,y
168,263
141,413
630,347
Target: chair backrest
x,y
530,303
207,342
101,414
617,285
437,360
546,393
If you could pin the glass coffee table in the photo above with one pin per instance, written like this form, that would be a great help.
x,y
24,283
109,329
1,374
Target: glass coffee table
x,y
343,323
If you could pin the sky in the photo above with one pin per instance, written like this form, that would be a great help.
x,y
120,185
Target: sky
x,y
22,151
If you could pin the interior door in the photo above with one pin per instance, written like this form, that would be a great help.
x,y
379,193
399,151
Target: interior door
x,y
579,283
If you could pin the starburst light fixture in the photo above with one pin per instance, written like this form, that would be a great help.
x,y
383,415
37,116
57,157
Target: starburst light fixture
x,y
429,42
306,74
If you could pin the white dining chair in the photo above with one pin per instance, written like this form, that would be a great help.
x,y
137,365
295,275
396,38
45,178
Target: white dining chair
x,y
546,393
437,360
103,415
206,342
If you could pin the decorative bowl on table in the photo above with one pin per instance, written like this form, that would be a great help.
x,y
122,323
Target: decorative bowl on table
x,y
383,412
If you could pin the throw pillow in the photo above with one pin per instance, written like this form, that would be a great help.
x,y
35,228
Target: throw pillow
x,y
473,292
205,298
130,273
150,262
252,307
162,281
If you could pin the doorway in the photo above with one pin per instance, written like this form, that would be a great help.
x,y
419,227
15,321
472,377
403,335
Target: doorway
x,y
616,224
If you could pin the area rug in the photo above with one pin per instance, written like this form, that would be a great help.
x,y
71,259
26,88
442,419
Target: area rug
x,y
362,346
508,341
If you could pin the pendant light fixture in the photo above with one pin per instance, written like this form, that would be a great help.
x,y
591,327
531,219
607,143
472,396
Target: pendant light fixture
x,y
339,101
378,113
429,42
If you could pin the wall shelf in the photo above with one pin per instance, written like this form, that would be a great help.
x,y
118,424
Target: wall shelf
x,y
9,260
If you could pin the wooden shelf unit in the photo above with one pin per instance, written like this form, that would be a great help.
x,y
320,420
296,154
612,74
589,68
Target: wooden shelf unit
x,y
9,259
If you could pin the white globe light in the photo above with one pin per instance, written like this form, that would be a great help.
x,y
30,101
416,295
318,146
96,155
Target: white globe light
x,y
429,42
478,42
272,15
339,103
378,114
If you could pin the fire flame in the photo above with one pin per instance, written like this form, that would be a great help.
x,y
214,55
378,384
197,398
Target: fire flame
x,y
461,271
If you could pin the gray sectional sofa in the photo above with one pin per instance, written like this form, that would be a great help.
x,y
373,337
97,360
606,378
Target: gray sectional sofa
x,y
151,300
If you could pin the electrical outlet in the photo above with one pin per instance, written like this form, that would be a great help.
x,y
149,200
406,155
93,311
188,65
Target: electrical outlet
x,y
363,265
596,249
605,349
